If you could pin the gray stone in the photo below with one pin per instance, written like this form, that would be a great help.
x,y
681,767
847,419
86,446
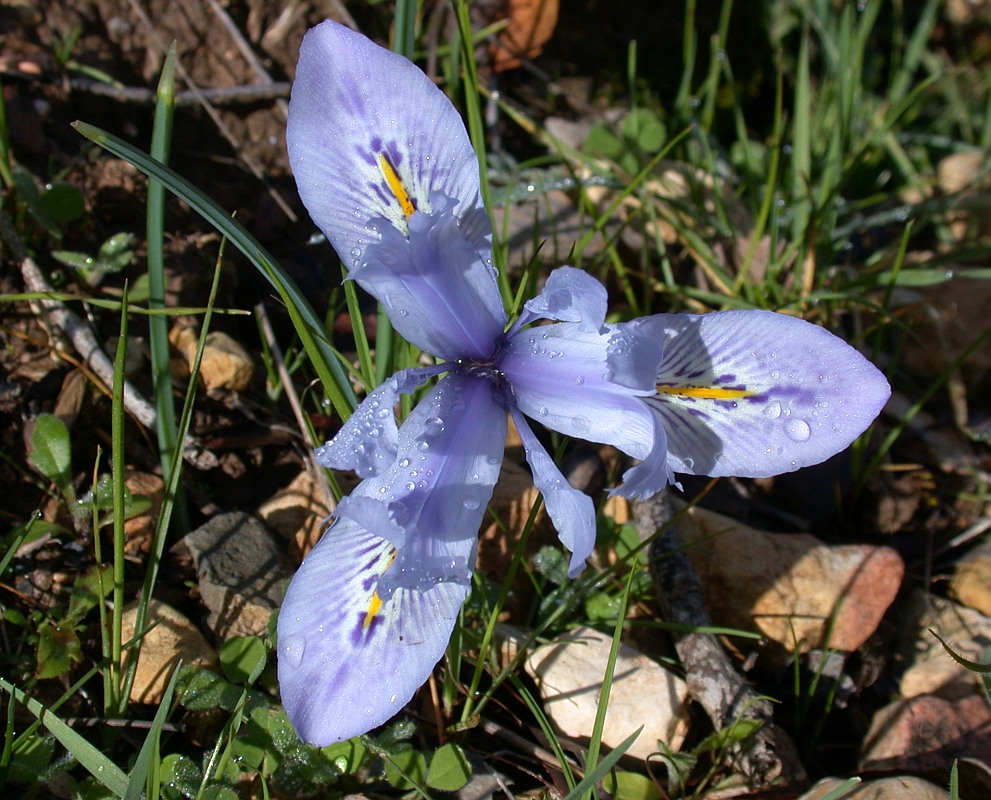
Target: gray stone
x,y
242,573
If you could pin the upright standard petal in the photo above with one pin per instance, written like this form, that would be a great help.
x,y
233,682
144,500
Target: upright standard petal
x,y
754,393
562,377
371,139
569,295
371,610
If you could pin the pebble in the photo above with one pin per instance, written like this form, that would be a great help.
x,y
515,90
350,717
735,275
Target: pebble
x,y
791,588
568,672
242,573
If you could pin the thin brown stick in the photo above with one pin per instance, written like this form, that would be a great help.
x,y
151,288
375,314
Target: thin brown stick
x,y
66,323
768,755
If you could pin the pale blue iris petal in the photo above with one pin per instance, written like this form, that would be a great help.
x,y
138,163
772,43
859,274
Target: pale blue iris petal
x,y
635,352
571,511
557,375
436,290
653,473
437,489
342,670
789,393
569,295
354,102
367,442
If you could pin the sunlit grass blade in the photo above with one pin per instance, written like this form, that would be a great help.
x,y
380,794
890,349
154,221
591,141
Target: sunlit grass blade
x,y
165,513
96,763
308,326
592,778
158,333
117,471
140,778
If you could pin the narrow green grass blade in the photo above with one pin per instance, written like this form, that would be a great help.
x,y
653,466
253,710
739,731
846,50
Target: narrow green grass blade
x,y
138,779
404,28
165,514
117,478
595,740
591,780
308,326
158,331
96,763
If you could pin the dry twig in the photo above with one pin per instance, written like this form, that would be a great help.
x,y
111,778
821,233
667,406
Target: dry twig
x,y
768,755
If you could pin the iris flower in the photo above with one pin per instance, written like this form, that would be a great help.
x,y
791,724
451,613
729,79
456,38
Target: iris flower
x,y
386,170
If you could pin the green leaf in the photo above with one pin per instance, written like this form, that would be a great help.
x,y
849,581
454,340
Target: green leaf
x,y
346,756
243,658
603,141
58,649
62,203
149,749
51,452
631,786
89,590
405,769
644,128
205,690
31,758
737,731
449,769
181,776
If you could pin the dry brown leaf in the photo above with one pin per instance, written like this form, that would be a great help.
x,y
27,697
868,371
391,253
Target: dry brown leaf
x,y
530,25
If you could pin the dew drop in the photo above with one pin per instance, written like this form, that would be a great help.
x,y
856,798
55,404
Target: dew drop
x,y
542,411
404,462
292,649
772,410
410,486
471,503
798,430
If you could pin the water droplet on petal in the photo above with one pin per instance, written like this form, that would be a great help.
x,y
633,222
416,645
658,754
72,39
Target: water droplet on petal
x,y
542,411
772,410
798,430
292,649
471,503
404,462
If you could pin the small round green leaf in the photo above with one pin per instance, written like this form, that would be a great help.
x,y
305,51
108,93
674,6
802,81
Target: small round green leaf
x,y
243,659
449,769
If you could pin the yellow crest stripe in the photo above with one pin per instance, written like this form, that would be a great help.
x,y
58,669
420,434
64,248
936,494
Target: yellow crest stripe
x,y
396,185
706,392
373,609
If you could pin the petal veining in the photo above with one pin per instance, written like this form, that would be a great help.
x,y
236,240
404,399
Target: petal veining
x,y
349,659
571,511
754,393
435,492
436,290
558,376
370,138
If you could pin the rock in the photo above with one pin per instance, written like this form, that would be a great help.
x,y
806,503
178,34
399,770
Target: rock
x,y
931,670
569,671
926,734
139,530
971,582
242,573
171,637
791,588
225,363
903,787
299,512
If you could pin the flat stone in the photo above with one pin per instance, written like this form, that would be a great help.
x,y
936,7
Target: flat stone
x,y
242,573
927,733
971,582
298,513
139,530
902,787
225,363
791,588
569,671
931,670
171,637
